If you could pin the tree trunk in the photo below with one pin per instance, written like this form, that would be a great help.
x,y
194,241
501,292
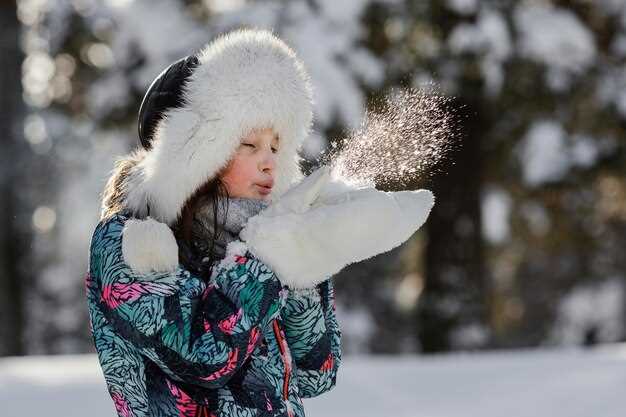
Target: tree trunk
x,y
13,245
451,310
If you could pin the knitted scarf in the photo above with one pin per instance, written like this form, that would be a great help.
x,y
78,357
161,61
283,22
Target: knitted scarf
x,y
237,213
233,213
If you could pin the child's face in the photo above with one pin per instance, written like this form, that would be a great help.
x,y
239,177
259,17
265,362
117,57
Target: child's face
x,y
250,172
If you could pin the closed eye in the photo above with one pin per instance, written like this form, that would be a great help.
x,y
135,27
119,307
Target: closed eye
x,y
274,150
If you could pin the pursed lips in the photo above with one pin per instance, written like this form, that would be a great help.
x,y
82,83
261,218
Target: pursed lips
x,y
267,183
265,186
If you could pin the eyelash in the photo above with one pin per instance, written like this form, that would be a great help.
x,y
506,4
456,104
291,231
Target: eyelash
x,y
250,144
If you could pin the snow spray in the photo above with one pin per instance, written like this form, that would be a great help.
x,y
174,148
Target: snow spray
x,y
401,144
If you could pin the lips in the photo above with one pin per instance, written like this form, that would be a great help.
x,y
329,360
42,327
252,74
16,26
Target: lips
x,y
266,184
265,187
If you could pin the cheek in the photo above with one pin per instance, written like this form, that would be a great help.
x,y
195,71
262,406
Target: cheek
x,y
238,175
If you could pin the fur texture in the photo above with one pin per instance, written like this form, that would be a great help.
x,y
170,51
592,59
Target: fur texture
x,y
303,249
119,182
233,249
148,245
246,79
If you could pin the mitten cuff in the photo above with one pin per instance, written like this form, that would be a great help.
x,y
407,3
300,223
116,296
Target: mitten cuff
x,y
149,245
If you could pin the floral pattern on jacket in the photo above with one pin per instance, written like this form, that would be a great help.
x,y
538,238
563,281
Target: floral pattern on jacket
x,y
171,344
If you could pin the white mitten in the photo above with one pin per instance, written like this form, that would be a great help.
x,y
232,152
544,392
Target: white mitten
x,y
149,245
320,226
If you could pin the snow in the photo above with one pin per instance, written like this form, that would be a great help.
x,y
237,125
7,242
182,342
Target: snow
x,y
584,151
596,306
547,153
224,6
135,28
465,7
107,93
323,39
357,327
544,155
339,95
469,336
314,145
557,38
489,37
346,11
522,383
611,88
496,209
366,66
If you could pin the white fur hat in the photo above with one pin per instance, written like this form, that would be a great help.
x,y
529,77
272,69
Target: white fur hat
x,y
244,79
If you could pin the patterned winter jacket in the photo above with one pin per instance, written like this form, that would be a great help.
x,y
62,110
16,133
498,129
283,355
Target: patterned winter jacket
x,y
241,344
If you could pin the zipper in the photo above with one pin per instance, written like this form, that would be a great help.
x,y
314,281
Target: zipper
x,y
283,351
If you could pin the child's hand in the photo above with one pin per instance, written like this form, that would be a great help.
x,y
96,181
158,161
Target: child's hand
x,y
320,226
299,198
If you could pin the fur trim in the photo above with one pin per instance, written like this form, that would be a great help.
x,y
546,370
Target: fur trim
x,y
246,79
233,249
148,245
121,179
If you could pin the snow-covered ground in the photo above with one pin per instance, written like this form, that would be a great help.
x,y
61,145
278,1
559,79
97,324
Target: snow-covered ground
x,y
521,383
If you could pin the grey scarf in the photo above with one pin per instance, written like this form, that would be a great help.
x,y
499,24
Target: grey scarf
x,y
235,214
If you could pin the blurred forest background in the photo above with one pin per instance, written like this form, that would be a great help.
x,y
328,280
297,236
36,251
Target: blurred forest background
x,y
524,247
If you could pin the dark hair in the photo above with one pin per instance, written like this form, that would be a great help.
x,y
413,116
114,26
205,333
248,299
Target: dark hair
x,y
195,258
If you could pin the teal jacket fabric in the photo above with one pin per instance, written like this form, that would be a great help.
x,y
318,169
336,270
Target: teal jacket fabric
x,y
241,344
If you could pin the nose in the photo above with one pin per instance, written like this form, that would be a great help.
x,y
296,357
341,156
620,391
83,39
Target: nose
x,y
268,162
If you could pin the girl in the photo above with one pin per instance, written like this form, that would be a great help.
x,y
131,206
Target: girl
x,y
246,326
176,342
